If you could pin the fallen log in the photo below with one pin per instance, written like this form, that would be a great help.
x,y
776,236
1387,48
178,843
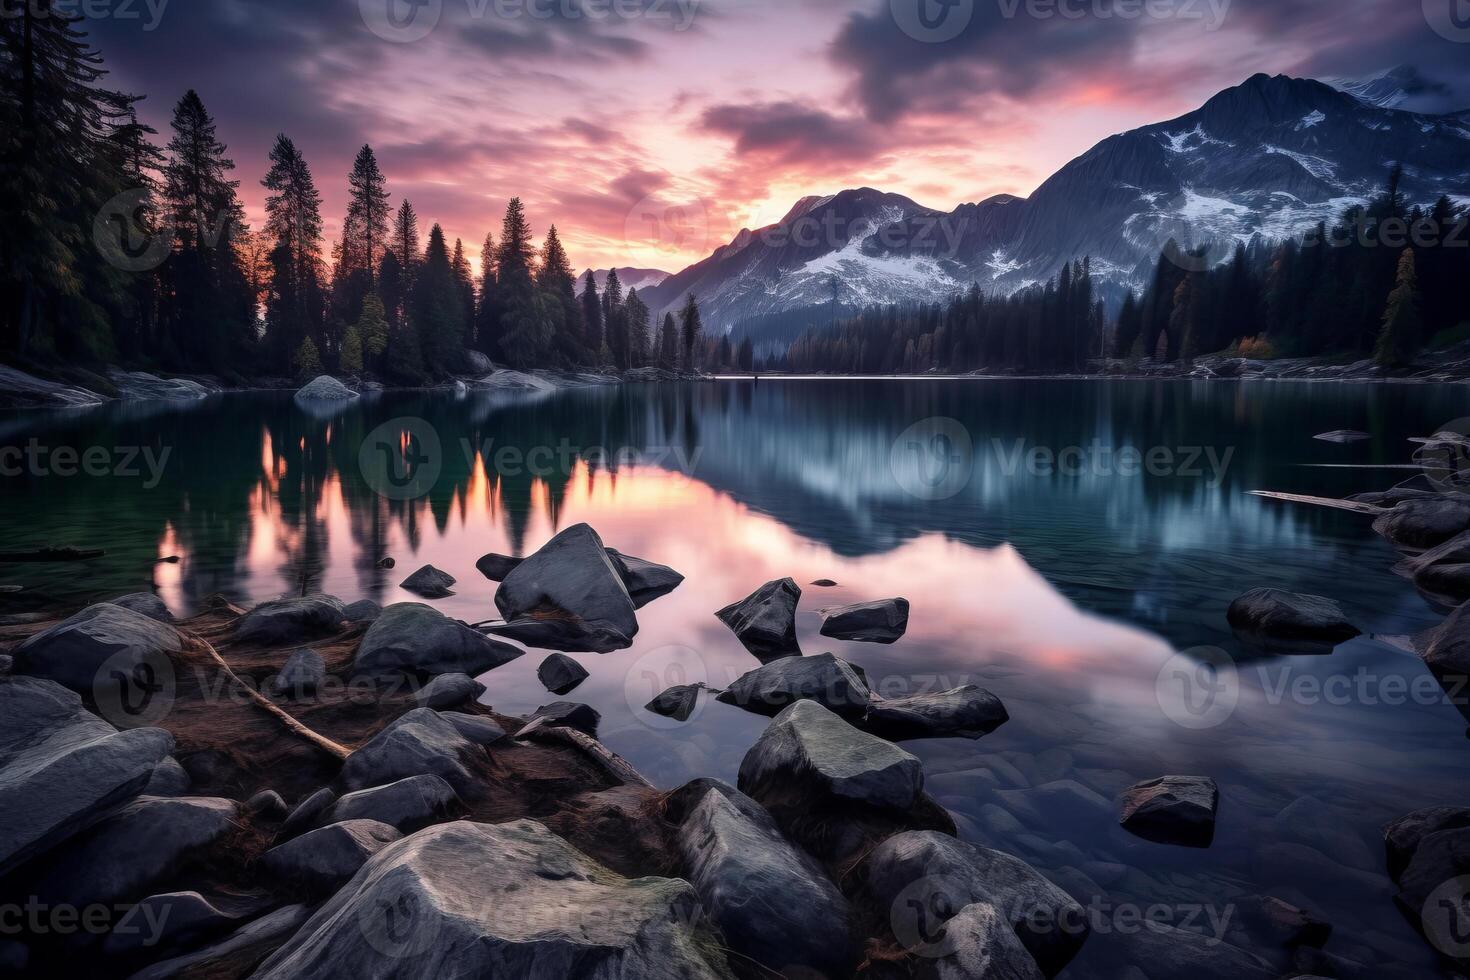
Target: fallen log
x,y
1355,506
614,765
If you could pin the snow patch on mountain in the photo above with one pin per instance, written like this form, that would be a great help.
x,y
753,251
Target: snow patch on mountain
x,y
1311,119
1322,169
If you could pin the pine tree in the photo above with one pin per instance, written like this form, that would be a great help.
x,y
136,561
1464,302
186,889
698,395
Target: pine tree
x,y
1402,328
365,233
691,327
525,331
464,282
558,283
487,314
405,244
636,316
307,360
614,319
438,310
349,359
592,336
668,344
745,355
294,222
372,329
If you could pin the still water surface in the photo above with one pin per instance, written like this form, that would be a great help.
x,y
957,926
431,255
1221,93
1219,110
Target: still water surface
x,y
1065,593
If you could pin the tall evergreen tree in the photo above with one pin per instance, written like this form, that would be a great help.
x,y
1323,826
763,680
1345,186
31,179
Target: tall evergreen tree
x,y
636,316
591,315
1402,327
691,327
366,225
614,319
556,280
668,344
464,283
487,314
525,323
295,309
438,309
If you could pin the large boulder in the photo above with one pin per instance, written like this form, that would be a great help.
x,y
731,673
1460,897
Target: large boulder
x,y
1446,648
560,673
63,769
1172,810
978,942
411,637
809,750
419,743
572,580
1402,837
429,582
831,682
1280,615
146,603
407,804
75,651
644,580
1418,524
965,712
922,873
325,859
884,621
132,849
223,958
509,900
293,620
772,902
325,389
1434,872
765,620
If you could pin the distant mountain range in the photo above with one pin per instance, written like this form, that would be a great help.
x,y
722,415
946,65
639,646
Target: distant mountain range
x,y
639,279
1270,157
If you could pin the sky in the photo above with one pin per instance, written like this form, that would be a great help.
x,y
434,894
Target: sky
x,y
651,131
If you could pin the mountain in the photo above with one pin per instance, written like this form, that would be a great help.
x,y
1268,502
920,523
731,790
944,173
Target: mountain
x,y
639,279
1404,87
1268,158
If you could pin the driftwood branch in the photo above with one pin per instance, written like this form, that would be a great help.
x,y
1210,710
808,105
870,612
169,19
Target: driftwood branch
x,y
605,759
1355,506
292,725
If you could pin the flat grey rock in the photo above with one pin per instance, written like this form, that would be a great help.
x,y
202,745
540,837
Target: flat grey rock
x,y
560,673
573,580
100,640
811,751
765,620
449,691
294,620
302,674
923,874
407,804
1291,616
965,712
772,902
146,603
323,860
829,681
1172,810
429,582
122,856
884,621
63,769
411,637
570,917
419,743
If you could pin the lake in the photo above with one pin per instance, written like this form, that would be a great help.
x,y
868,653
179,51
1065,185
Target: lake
x,y
1068,545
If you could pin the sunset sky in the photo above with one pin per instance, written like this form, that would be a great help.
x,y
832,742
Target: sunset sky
x,y
650,131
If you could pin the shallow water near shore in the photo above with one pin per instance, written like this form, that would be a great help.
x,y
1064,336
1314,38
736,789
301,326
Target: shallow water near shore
x,y
1043,562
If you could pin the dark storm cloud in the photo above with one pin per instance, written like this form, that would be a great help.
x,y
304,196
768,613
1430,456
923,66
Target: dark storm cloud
x,y
792,131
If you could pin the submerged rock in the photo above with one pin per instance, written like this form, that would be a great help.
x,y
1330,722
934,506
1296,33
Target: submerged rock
x,y
884,621
829,681
407,804
569,917
411,637
965,712
571,581
677,703
560,673
62,769
325,389
323,860
772,902
1424,523
1291,616
75,651
419,743
292,620
926,873
429,582
1172,810
765,621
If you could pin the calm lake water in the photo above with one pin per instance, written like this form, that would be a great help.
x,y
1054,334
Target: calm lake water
x,y
1068,594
